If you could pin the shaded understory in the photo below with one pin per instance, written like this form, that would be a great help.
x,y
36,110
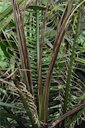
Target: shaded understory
x,y
81,125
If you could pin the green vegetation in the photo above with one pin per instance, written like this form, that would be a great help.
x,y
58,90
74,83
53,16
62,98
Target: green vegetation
x,y
42,63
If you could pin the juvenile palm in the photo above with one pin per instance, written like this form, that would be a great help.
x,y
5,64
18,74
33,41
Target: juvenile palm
x,y
43,78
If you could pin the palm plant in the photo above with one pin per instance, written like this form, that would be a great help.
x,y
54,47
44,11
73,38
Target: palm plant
x,y
44,54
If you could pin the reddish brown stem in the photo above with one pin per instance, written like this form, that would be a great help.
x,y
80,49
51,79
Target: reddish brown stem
x,y
56,121
22,46
57,43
